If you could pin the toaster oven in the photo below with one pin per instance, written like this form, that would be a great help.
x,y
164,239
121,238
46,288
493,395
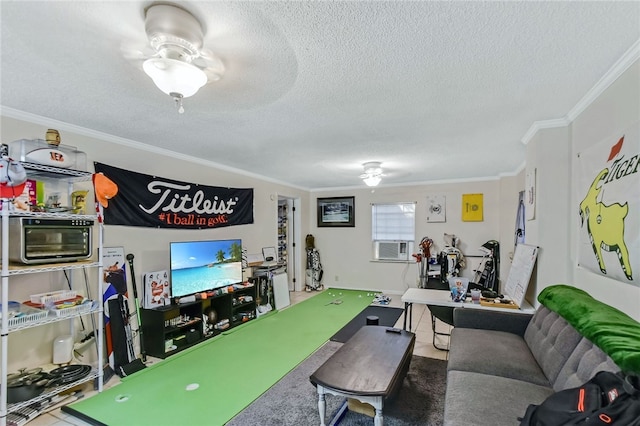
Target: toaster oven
x,y
49,240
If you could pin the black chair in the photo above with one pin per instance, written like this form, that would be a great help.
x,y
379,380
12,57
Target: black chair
x,y
443,313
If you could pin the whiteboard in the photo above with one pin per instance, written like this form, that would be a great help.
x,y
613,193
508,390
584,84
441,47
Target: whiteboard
x,y
281,290
521,268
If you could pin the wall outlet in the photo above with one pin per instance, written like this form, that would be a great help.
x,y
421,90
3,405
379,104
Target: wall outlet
x,y
336,278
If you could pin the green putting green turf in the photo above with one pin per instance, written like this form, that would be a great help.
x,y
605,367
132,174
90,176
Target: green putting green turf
x,y
230,371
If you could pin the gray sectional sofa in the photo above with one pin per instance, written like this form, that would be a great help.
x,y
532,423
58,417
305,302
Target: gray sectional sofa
x,y
500,362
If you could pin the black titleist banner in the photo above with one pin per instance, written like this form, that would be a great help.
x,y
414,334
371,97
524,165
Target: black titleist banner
x,y
135,199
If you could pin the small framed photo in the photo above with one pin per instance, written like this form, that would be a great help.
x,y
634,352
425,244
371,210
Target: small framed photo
x,y
336,212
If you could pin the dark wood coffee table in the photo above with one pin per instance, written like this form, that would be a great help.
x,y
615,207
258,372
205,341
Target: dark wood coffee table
x,y
369,367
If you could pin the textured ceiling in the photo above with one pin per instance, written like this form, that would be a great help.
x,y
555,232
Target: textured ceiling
x,y
433,90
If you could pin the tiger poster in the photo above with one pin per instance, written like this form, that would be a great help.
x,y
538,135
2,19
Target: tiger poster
x,y
609,207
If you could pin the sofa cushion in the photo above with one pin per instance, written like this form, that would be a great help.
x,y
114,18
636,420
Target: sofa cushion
x,y
486,400
511,322
551,340
582,365
495,353
611,330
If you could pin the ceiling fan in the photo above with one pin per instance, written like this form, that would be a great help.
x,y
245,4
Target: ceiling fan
x,y
372,173
174,56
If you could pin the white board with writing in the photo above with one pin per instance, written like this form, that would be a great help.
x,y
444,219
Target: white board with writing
x,y
521,268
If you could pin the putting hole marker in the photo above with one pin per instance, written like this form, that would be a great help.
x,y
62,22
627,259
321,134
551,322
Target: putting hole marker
x,y
122,398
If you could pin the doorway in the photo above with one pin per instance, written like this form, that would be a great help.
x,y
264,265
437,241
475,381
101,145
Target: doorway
x,y
289,238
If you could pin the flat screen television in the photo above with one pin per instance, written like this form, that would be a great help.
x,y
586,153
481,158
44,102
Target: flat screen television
x,y
198,266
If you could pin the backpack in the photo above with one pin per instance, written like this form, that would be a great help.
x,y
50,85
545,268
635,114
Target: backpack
x,y
607,399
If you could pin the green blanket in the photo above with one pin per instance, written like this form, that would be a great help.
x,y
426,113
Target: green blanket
x,y
613,331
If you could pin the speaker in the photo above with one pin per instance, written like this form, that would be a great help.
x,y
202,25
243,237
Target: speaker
x,y
62,349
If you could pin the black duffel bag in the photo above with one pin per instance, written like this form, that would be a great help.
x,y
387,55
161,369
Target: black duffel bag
x,y
607,399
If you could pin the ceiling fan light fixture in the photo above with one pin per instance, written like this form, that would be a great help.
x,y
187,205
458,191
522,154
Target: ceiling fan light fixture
x,y
372,175
176,36
174,76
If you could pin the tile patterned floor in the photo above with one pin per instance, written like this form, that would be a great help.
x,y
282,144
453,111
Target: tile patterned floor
x,y
421,321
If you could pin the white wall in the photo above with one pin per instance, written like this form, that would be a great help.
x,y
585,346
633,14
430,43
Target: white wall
x,y
548,156
611,113
149,246
553,153
346,253
510,188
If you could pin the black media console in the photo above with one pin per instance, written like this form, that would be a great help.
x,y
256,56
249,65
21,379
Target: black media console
x,y
171,329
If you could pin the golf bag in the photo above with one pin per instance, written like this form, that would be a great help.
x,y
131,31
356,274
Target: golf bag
x,y
489,276
314,272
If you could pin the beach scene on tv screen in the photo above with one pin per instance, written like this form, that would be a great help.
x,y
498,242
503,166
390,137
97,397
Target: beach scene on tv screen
x,y
203,265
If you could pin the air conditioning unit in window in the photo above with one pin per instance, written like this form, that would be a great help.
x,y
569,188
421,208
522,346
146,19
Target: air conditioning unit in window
x,y
392,250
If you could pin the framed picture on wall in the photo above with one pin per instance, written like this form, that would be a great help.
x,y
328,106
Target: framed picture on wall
x,y
530,201
436,208
336,212
472,207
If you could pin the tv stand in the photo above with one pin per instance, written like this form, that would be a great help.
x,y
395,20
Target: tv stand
x,y
170,329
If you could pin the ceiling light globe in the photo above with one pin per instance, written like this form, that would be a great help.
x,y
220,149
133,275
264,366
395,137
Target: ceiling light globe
x,y
372,180
173,76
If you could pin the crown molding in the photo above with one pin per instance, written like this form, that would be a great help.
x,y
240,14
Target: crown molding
x,y
520,169
630,57
409,184
83,131
621,65
544,124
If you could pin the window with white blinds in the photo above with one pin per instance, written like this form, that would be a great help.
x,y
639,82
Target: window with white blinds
x,y
393,222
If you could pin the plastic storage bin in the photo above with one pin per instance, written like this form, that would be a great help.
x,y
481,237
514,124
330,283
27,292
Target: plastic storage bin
x,y
40,152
